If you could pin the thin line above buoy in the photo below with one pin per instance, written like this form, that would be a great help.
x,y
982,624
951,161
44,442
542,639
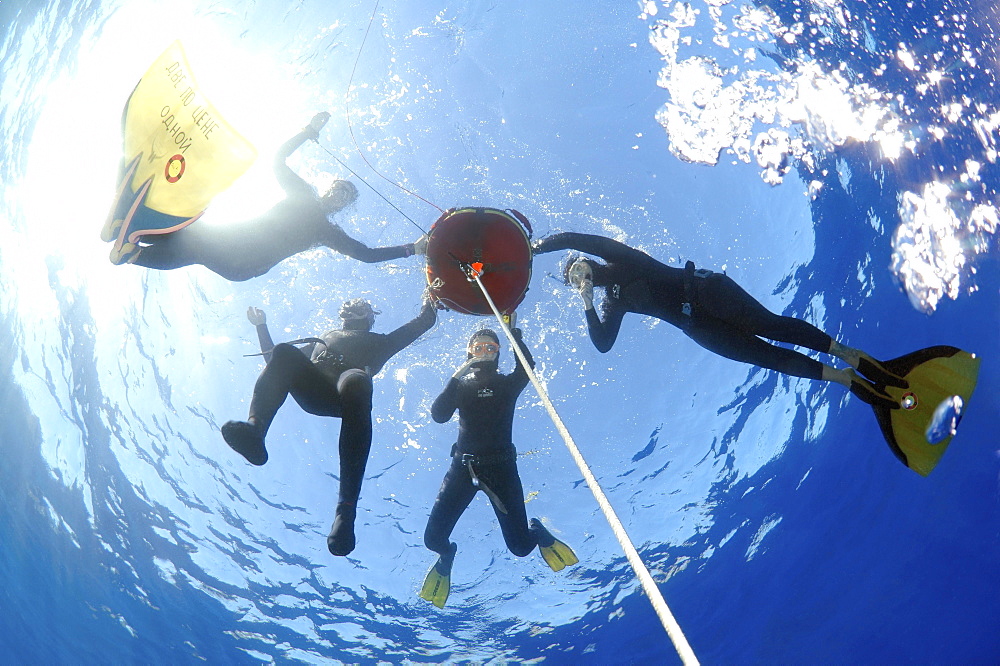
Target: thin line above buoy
x,y
372,187
350,126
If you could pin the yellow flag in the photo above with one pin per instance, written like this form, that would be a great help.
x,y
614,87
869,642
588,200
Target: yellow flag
x,y
179,153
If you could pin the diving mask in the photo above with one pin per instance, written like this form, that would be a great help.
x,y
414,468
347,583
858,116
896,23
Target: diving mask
x,y
579,271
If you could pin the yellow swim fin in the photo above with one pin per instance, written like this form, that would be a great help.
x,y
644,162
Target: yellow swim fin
x,y
555,553
936,375
437,583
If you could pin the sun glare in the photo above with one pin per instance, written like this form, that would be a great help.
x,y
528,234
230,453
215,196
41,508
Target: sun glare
x,y
76,146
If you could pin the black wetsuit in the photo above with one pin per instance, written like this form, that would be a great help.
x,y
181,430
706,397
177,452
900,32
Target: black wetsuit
x,y
242,251
709,307
485,400
336,381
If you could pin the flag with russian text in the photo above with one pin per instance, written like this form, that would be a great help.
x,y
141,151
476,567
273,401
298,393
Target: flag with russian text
x,y
179,153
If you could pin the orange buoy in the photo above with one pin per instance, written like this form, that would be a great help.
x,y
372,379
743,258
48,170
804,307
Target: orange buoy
x,y
498,240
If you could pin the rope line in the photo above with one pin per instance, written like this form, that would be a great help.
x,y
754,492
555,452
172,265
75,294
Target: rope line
x,y
372,187
350,127
673,629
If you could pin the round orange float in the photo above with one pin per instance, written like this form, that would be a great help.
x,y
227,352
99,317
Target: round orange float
x,y
495,241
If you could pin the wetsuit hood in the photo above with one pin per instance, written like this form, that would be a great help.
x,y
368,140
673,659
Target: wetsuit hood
x,y
358,315
342,193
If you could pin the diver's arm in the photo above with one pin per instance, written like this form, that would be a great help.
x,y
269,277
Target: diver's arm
x,y
413,329
445,404
604,333
355,249
288,179
520,377
259,321
606,248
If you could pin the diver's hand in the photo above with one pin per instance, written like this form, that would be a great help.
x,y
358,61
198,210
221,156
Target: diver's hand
x,y
586,291
430,298
420,245
256,317
317,123
466,367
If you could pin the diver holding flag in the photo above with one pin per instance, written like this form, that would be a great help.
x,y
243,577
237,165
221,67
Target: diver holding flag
x,y
331,376
250,249
484,459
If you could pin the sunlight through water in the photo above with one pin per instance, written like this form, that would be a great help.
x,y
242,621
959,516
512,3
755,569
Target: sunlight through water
x,y
792,117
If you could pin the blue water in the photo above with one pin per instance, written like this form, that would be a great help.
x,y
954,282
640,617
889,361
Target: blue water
x,y
837,160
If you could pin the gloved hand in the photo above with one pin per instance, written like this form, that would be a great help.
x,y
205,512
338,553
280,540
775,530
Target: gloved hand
x,y
420,245
580,275
429,298
317,123
256,317
538,246
466,367
586,291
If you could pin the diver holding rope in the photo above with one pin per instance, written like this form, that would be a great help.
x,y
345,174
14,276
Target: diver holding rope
x,y
484,458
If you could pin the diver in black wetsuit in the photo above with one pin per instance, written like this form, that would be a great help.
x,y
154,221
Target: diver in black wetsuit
x,y
297,223
330,377
711,309
484,459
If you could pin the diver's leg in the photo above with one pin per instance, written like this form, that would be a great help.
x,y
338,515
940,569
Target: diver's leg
x,y
231,252
866,365
504,480
722,298
288,371
168,251
355,390
733,343
862,388
453,499
291,372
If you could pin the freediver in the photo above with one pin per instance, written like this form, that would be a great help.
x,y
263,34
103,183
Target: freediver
x,y
331,376
299,222
711,309
484,459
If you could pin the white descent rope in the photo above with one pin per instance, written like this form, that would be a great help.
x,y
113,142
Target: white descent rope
x,y
645,578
